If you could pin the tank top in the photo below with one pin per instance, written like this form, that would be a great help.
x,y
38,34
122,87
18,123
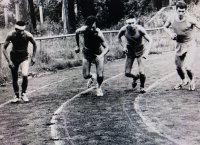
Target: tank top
x,y
20,43
184,33
92,41
19,50
133,40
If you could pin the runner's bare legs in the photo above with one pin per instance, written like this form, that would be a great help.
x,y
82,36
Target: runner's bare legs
x,y
141,66
24,67
128,68
99,68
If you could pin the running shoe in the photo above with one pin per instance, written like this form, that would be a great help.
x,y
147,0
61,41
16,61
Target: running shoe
x,y
192,86
99,92
24,97
15,100
90,82
179,86
142,90
134,83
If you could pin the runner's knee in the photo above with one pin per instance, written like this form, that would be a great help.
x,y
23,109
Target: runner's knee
x,y
188,68
87,75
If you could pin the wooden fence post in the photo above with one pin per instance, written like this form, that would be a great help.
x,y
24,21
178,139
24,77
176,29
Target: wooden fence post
x,y
6,16
1,53
17,10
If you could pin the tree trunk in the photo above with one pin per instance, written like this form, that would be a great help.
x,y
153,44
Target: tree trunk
x,y
165,3
86,8
32,14
157,4
64,16
71,16
68,16
24,11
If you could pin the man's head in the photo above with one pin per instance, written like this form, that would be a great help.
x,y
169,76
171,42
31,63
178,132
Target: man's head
x,y
181,8
91,22
131,23
20,27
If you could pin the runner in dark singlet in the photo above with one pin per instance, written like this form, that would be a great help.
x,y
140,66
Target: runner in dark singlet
x,y
19,57
92,52
134,48
182,32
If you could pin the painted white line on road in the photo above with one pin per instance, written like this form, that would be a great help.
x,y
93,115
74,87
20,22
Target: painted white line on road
x,y
145,119
54,129
2,105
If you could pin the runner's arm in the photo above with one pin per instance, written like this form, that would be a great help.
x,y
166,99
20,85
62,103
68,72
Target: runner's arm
x,y
32,40
6,43
148,38
78,32
167,29
120,34
104,44
194,22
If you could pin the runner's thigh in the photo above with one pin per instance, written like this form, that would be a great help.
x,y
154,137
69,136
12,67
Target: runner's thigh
x,y
189,59
141,64
86,67
25,67
100,67
129,64
179,62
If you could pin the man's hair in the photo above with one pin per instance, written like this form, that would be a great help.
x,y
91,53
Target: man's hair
x,y
181,5
20,23
90,20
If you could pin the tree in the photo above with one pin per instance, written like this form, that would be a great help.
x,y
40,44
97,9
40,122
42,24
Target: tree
x,y
71,16
85,8
115,10
24,11
32,13
68,16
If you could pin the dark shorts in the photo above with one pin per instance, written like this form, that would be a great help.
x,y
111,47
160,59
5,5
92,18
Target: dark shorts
x,y
135,52
89,55
18,58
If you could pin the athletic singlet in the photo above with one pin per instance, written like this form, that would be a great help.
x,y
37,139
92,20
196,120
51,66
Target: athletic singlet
x,y
184,33
135,40
92,41
19,50
134,44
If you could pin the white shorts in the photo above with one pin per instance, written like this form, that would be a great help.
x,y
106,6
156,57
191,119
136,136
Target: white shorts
x,y
182,48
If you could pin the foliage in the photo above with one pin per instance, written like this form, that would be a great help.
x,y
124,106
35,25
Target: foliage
x,y
52,11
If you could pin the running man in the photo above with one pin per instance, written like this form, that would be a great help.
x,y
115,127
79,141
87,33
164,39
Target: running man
x,y
134,48
182,32
92,52
19,57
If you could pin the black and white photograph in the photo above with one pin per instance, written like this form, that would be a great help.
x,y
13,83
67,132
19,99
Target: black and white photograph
x,y
99,72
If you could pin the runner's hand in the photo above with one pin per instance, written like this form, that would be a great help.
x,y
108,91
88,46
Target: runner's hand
x,y
125,50
99,58
145,55
77,50
32,61
10,64
173,36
